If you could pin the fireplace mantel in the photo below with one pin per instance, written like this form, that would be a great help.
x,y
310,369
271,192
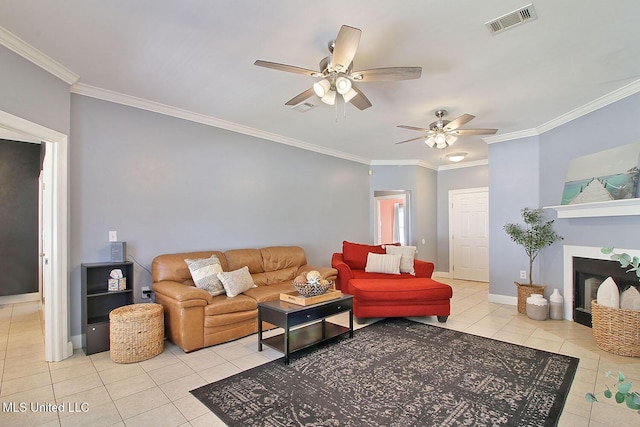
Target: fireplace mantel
x,y
611,208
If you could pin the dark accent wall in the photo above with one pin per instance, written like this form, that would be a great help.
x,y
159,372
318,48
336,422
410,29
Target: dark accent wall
x,y
19,171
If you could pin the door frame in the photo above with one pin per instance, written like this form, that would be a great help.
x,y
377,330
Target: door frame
x,y
451,222
58,345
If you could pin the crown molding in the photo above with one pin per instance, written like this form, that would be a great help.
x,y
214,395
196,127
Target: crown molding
x,y
409,162
618,94
30,53
156,107
463,165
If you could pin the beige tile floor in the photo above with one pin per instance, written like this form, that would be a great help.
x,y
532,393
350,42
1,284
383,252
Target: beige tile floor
x,y
93,391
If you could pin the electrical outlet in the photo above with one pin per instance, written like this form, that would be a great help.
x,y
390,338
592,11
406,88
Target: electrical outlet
x,y
146,292
523,274
113,236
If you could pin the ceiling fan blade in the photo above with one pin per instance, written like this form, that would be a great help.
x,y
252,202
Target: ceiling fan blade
x,y
388,74
476,131
459,121
301,97
409,140
287,68
345,47
413,128
360,101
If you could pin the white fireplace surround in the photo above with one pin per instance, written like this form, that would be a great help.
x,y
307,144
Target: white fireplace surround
x,y
582,252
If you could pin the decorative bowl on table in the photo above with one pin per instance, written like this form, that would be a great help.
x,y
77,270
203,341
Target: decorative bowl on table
x,y
311,284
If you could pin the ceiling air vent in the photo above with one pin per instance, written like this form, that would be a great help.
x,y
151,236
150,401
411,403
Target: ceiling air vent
x,y
303,107
512,19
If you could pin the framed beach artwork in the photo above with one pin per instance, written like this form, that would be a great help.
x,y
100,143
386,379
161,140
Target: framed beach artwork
x,y
604,176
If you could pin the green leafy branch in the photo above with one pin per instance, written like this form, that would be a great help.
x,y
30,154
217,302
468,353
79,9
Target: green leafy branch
x,y
622,395
625,260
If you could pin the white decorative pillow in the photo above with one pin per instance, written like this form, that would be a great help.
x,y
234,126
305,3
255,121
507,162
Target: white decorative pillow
x,y
204,272
608,294
383,263
237,281
408,254
630,299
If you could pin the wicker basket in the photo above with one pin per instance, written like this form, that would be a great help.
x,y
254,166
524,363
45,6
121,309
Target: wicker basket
x,y
524,292
136,332
312,289
616,330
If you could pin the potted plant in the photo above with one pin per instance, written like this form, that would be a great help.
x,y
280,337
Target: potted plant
x,y
536,234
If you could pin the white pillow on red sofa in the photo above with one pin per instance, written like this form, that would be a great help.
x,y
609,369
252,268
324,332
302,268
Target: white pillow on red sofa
x,y
383,263
408,254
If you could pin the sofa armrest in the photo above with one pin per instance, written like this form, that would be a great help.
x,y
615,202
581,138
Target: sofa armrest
x,y
183,312
423,268
344,271
326,272
183,293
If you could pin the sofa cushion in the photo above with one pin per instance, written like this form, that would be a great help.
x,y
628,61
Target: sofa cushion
x,y
394,291
269,293
251,258
205,274
408,254
361,274
224,305
355,254
383,263
237,281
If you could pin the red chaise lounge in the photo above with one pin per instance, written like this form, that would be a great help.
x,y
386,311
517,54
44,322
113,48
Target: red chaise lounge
x,y
377,294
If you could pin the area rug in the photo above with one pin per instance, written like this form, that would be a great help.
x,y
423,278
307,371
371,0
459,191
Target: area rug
x,y
399,373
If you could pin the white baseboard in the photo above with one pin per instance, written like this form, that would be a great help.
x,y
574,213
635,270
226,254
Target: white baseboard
x,y
76,340
503,299
441,274
17,299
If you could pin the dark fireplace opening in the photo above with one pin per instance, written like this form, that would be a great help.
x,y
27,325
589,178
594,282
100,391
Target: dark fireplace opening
x,y
588,274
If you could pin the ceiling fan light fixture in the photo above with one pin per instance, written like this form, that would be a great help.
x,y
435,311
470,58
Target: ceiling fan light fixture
x,y
430,141
322,87
440,139
329,97
451,139
349,95
343,85
456,157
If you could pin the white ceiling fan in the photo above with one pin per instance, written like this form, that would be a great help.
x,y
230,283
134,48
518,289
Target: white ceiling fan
x,y
443,133
336,75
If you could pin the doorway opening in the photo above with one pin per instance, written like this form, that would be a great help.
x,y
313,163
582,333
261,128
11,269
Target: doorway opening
x,y
391,217
55,276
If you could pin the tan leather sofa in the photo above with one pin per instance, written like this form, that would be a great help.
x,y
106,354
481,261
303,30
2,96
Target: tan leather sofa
x,y
194,319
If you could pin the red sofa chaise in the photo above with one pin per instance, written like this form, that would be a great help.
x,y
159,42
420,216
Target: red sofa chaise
x,y
378,294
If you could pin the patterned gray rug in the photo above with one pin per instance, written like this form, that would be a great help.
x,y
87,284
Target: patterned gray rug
x,y
399,373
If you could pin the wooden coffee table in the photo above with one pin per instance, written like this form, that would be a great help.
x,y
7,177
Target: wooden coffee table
x,y
288,315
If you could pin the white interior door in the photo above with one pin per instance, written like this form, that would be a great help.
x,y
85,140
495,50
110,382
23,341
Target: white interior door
x,y
469,234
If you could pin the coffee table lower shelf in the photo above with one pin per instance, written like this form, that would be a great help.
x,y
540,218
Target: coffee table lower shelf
x,y
306,336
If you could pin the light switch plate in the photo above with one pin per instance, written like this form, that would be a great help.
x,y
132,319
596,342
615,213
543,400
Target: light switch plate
x,y
113,236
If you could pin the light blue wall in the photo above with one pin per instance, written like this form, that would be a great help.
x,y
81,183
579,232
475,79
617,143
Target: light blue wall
x,y
421,183
513,184
169,185
29,92
531,172
454,179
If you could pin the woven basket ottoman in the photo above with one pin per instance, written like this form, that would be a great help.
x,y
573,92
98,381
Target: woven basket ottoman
x,y
136,332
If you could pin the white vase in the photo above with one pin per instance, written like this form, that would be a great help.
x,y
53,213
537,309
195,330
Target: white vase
x,y
556,303
537,307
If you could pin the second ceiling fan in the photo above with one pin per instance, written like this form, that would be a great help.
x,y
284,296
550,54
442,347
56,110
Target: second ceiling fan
x,y
442,133
336,75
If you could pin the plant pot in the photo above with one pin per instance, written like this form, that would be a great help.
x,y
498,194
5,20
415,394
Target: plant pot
x,y
524,292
